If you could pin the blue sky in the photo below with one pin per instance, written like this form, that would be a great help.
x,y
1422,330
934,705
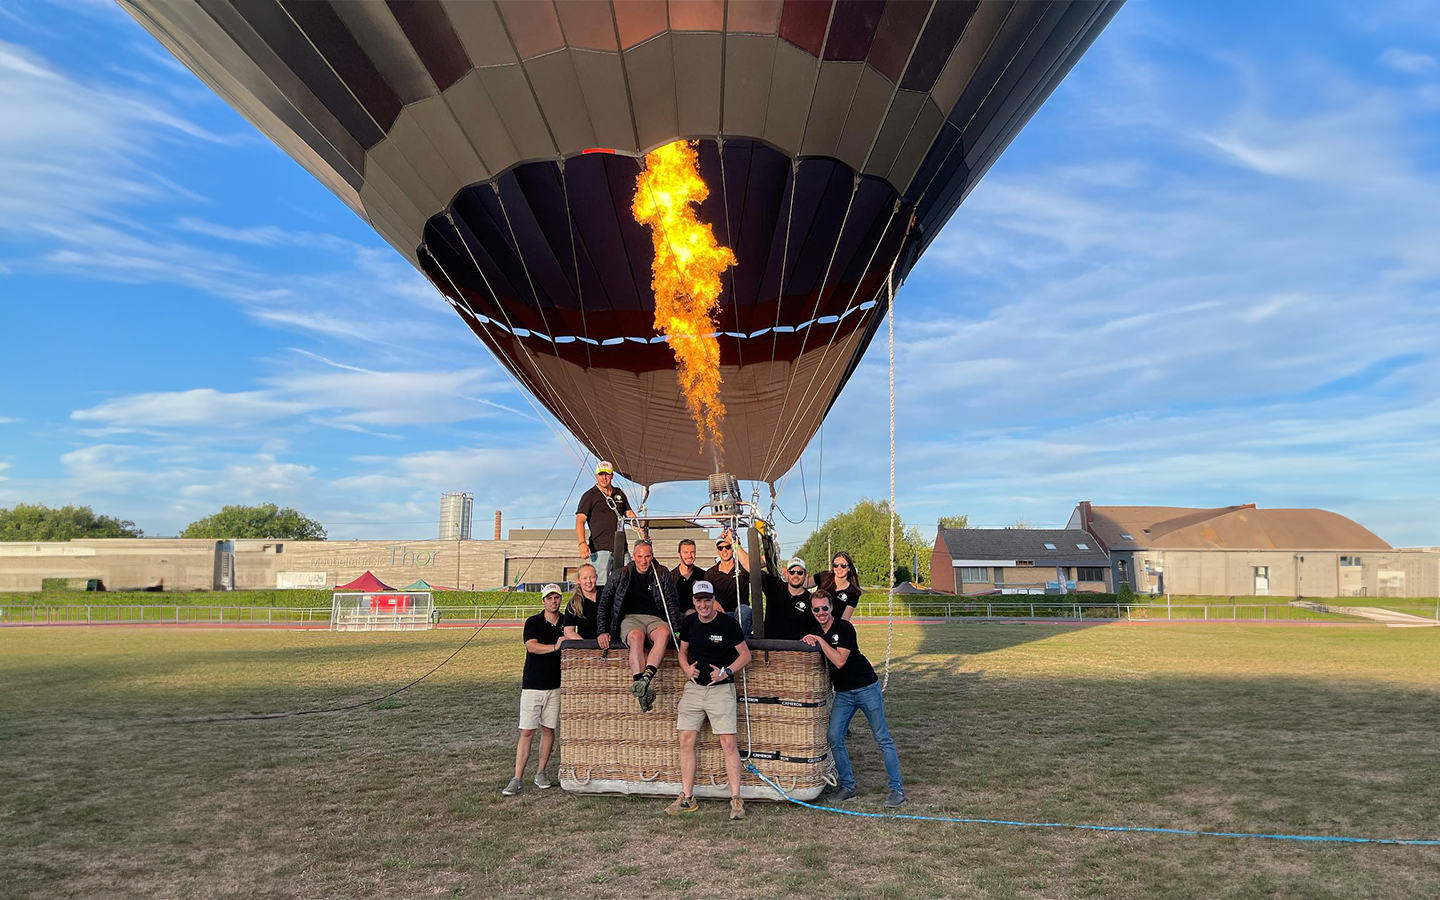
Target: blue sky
x,y
1206,273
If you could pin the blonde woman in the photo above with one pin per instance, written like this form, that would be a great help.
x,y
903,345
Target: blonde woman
x,y
583,610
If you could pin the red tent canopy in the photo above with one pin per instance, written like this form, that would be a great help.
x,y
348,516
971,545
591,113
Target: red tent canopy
x,y
366,583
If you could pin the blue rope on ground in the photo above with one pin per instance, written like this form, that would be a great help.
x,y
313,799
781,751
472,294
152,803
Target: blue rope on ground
x,y
1307,838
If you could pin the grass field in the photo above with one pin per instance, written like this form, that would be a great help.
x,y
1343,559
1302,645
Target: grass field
x,y
1248,728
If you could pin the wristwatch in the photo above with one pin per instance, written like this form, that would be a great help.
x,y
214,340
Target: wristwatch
x,y
728,673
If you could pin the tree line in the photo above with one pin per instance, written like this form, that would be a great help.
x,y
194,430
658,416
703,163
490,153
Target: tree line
x,y
38,522
863,531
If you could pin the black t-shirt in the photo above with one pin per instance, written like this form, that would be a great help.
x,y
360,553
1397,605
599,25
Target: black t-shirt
x,y
542,670
600,517
843,598
711,643
586,625
642,597
728,588
787,616
684,586
857,672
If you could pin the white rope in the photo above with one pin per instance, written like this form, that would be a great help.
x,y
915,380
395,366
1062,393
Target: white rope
x,y
890,320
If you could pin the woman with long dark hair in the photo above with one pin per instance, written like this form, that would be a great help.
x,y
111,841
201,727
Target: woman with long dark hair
x,y
582,613
843,585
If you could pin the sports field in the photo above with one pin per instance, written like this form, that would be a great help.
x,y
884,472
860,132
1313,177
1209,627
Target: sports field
x,y
1323,730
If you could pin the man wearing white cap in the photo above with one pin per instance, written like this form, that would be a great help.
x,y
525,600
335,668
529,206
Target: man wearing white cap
x,y
602,507
539,689
787,603
712,650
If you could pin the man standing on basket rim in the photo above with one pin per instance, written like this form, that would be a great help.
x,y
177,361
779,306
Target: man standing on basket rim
x,y
639,603
856,690
539,689
602,507
712,650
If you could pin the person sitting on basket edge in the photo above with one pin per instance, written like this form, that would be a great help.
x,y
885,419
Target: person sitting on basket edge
x,y
639,603
857,689
712,650
539,689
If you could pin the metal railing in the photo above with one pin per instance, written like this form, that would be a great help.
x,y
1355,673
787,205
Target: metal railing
x,y
105,614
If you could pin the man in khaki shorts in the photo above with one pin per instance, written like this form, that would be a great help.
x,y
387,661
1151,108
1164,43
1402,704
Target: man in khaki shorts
x,y
712,650
539,689
639,603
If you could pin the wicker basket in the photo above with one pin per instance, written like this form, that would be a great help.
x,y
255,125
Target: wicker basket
x,y
608,746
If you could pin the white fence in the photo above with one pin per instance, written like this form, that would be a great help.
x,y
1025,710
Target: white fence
x,y
104,614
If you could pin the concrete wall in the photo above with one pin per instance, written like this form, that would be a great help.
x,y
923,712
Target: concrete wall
x,y
1297,573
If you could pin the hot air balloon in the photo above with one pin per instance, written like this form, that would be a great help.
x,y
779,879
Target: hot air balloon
x,y
496,146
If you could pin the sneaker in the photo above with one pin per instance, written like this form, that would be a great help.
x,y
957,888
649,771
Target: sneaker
x,y
640,687
513,788
647,702
542,780
895,800
682,806
842,795
737,809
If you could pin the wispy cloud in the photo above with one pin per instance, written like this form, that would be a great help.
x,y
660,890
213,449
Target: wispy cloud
x,y
1409,62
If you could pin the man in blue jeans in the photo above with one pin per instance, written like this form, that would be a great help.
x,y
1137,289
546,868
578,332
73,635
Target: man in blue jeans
x,y
856,689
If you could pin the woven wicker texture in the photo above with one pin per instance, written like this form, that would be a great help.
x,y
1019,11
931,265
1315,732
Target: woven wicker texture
x,y
607,744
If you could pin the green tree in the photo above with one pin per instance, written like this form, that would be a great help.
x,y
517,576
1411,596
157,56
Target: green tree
x,y
864,532
38,522
960,521
265,521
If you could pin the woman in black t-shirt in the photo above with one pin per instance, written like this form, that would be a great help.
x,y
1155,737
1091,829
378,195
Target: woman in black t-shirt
x,y
843,585
582,613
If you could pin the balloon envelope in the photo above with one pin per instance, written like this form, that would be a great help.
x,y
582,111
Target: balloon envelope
x,y
496,146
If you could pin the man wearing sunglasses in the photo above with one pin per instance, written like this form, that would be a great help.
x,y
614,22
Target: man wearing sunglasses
x,y
731,581
787,602
857,689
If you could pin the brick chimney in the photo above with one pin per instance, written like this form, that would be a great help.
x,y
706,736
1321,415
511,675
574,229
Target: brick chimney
x,y
497,524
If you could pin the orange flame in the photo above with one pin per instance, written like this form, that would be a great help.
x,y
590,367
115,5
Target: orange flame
x,y
688,264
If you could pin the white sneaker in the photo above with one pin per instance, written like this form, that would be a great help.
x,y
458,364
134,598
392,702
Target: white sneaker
x,y
542,780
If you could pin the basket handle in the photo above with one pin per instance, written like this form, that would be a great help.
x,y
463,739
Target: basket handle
x,y
651,778
579,780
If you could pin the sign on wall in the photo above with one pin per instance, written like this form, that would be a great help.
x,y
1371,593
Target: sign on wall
x,y
293,580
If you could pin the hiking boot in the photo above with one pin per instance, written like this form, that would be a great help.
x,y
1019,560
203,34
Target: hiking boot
x,y
647,702
895,800
640,687
542,780
737,809
513,788
842,795
683,805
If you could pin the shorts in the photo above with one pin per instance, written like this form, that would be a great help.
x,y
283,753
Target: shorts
x,y
715,702
539,708
647,624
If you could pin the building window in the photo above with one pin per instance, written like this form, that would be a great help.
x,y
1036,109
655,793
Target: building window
x,y
974,574
1082,546
1049,546
1128,537
999,575
1090,573
1349,560
1024,562
279,548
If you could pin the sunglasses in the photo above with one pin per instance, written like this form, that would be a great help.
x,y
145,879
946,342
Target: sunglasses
x,y
797,571
722,546
839,566
820,608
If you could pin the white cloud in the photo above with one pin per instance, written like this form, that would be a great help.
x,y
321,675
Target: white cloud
x,y
1409,62
8,420
199,407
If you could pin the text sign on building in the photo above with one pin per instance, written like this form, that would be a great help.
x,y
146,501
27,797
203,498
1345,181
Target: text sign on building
x,y
294,580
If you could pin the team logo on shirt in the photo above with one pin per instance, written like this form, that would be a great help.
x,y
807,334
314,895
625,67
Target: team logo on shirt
x,y
716,638
802,606
835,639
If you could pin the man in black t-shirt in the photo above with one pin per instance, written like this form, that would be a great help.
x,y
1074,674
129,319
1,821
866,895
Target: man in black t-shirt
x,y
787,603
539,689
712,650
685,575
602,507
731,581
856,690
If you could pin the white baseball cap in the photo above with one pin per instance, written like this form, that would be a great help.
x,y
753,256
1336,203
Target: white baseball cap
x,y
702,587
549,589
603,467
796,563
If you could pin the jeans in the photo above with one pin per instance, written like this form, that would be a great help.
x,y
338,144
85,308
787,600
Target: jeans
x,y
600,559
871,702
746,617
